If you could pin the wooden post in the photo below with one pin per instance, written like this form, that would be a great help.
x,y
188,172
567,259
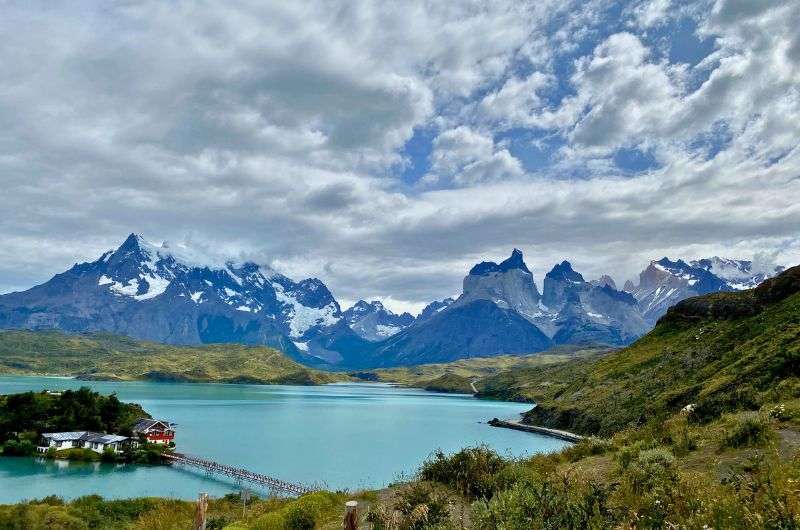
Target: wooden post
x,y
351,515
200,512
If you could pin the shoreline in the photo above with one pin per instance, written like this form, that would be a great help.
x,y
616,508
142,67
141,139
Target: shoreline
x,y
519,426
121,379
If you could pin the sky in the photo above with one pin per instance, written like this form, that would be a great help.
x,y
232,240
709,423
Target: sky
x,y
385,147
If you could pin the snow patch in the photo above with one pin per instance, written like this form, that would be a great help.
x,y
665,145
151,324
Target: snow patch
x,y
387,331
301,318
156,286
125,290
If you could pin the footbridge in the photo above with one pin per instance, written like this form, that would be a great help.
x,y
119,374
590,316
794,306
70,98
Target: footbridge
x,y
238,474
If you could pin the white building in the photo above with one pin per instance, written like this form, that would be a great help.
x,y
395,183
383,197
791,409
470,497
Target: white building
x,y
97,442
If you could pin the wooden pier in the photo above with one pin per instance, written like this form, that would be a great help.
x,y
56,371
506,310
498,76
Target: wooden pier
x,y
237,474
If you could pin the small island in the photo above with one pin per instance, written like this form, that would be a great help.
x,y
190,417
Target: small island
x,y
81,425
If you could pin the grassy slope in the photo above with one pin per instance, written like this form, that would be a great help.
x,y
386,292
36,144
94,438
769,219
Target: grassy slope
x,y
456,376
721,352
105,356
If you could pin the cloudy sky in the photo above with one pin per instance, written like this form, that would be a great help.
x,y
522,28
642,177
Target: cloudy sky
x,y
384,147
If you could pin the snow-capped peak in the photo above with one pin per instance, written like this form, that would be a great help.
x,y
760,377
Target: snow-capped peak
x,y
739,274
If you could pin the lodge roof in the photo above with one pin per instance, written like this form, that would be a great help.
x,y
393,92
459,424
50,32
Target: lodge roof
x,y
84,436
145,424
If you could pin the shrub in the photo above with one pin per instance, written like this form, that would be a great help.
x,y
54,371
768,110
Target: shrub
x,y
587,447
556,503
743,397
109,455
300,518
630,452
19,448
470,471
649,487
652,469
77,453
678,435
270,521
783,412
749,430
425,507
418,506
519,472
304,512
40,517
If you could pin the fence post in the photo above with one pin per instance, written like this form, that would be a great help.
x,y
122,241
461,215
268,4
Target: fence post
x,y
200,512
351,515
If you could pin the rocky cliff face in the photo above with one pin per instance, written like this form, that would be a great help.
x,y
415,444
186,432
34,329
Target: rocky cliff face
x,y
433,308
372,321
664,282
509,285
500,311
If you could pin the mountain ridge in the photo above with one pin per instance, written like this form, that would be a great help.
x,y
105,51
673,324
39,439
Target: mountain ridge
x,y
167,294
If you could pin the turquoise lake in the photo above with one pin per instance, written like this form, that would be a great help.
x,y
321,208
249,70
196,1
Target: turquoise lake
x,y
342,436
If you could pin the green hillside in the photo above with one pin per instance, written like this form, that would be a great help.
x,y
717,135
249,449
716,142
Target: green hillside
x,y
113,357
717,353
459,376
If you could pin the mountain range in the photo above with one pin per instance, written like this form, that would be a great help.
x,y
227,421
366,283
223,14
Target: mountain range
x,y
161,293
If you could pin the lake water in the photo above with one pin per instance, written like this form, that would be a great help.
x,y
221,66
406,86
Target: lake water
x,y
343,436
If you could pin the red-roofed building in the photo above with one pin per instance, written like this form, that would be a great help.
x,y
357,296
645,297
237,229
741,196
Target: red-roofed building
x,y
155,431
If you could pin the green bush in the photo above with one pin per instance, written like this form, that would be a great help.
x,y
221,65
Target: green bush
x,y
301,513
678,436
109,455
421,498
300,518
629,453
557,503
470,471
418,506
587,447
77,453
784,412
748,430
650,470
40,517
18,448
743,397
649,487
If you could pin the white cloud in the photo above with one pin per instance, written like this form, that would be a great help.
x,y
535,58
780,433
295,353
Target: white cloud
x,y
271,131
469,157
651,13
